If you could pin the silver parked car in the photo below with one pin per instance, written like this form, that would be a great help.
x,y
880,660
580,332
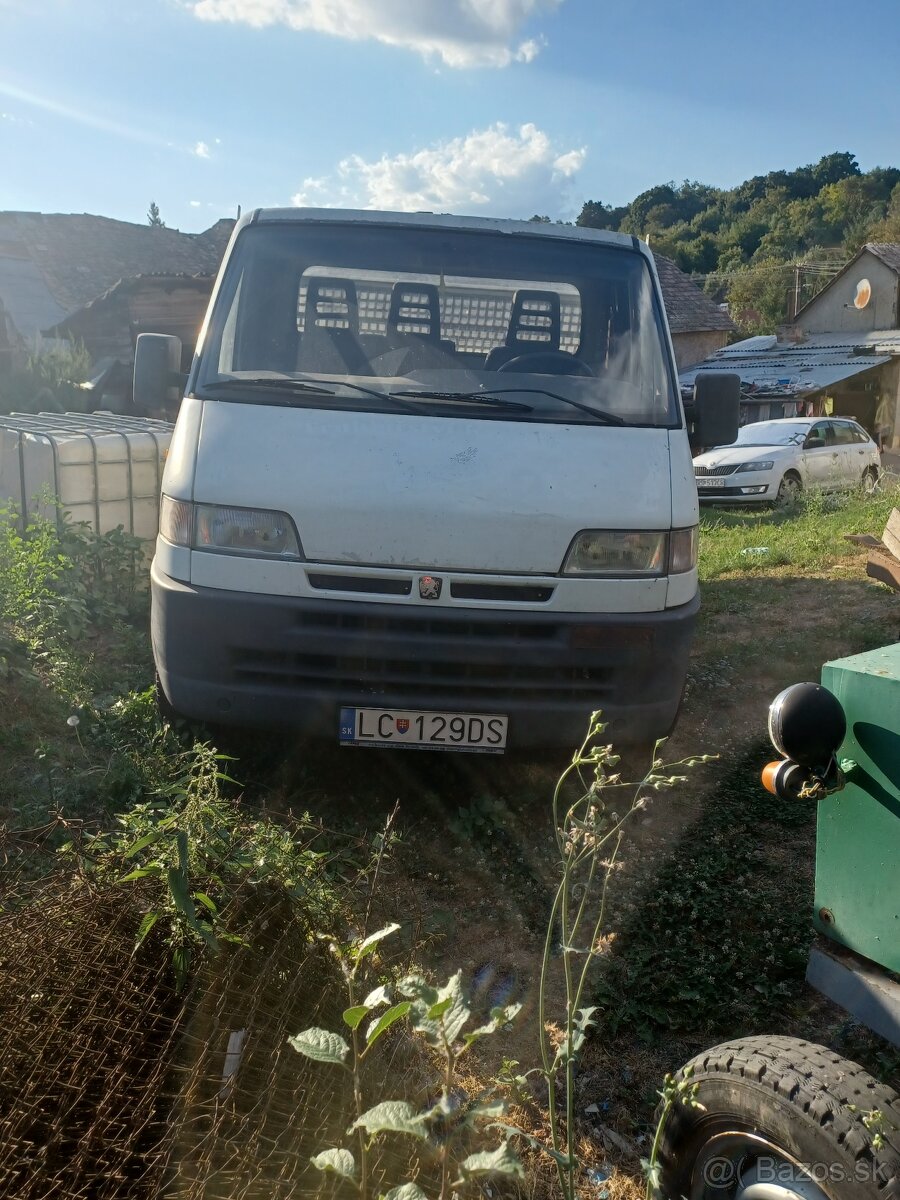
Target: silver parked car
x,y
774,461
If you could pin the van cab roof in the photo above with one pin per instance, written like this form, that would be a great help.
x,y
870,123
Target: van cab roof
x,y
448,221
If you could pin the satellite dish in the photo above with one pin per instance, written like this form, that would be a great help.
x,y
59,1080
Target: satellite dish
x,y
863,294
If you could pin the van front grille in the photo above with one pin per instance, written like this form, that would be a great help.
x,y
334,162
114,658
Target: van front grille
x,y
433,680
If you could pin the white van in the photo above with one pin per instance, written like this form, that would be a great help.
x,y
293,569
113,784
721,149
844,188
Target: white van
x,y
430,485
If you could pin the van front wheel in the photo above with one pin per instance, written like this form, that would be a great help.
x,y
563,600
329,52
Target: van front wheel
x,y
784,1118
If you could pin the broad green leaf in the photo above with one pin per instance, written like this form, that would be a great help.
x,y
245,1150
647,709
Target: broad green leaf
x,y
500,1017
206,902
502,1161
392,1116
386,1020
178,886
450,1024
142,843
377,998
179,891
353,1016
181,964
437,1010
144,928
417,988
489,1108
367,945
583,1018
140,873
341,1162
322,1045
181,841
406,1191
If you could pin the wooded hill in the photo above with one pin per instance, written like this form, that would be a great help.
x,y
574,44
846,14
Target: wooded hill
x,y
745,244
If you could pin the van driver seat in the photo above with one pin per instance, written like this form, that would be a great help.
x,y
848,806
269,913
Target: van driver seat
x,y
534,325
329,344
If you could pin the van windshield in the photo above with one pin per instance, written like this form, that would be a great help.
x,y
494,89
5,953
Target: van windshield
x,y
406,318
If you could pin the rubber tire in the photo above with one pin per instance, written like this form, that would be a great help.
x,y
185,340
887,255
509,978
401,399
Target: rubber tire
x,y
797,1095
784,501
869,473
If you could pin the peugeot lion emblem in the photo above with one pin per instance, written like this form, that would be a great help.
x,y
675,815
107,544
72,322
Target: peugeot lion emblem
x,y
429,587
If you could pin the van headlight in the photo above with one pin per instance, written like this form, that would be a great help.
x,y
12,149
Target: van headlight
x,y
622,552
257,532
616,552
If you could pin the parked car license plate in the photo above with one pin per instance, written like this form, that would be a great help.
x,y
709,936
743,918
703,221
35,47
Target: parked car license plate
x,y
707,481
483,733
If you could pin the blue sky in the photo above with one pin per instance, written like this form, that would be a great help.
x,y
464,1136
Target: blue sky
x,y
503,107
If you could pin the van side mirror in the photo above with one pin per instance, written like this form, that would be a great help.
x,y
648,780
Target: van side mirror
x,y
713,413
157,372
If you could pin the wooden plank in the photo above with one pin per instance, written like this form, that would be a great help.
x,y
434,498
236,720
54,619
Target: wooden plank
x,y
891,535
885,568
864,539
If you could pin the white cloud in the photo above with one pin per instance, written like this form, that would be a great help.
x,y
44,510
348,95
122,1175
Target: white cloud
x,y
461,33
202,150
504,172
194,203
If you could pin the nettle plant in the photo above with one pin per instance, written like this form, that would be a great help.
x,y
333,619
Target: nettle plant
x,y
592,805
439,1017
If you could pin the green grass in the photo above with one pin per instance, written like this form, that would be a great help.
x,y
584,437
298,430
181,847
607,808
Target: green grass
x,y
808,537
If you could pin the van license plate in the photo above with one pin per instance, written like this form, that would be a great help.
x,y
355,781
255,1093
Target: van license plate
x,y
482,733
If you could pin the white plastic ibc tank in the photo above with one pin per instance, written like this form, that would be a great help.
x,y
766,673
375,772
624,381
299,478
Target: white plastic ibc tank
x,y
104,468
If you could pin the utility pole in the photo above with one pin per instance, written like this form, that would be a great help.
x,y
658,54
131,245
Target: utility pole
x,y
796,304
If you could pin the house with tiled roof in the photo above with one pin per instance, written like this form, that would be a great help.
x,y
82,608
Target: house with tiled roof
x,y
840,354
52,264
699,327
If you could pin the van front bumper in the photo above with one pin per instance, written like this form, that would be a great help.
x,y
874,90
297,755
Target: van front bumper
x,y
241,658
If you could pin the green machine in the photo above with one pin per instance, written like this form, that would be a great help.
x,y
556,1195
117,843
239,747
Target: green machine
x,y
857,902
778,1118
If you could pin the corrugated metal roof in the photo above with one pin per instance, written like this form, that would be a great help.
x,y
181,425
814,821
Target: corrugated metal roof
x,y
770,368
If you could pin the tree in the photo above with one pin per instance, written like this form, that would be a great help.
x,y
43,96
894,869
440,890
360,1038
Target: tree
x,y
153,217
758,296
596,215
48,380
833,167
888,230
663,195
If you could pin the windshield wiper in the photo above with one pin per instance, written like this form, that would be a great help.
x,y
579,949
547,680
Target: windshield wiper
x,y
491,397
308,386
485,398
267,381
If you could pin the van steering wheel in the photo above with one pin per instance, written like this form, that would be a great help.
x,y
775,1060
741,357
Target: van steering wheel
x,y
547,362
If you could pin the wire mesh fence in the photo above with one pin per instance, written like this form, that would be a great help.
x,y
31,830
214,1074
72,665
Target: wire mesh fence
x,y
114,1087
86,1035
